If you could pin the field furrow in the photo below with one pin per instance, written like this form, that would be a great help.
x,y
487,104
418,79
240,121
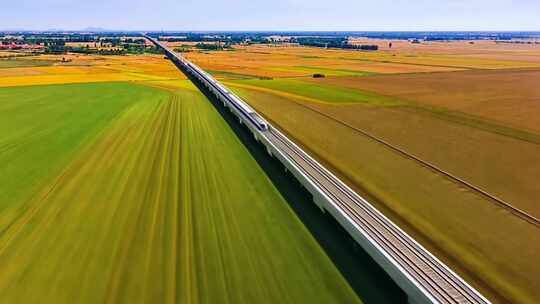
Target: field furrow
x,y
164,206
474,235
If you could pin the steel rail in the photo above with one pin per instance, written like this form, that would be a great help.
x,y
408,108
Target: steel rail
x,y
418,261
432,278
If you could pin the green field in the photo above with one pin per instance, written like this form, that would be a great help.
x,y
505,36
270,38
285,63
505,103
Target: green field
x,y
43,126
319,93
23,62
325,71
144,195
230,75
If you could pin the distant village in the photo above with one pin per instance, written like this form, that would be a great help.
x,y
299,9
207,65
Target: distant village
x,y
121,43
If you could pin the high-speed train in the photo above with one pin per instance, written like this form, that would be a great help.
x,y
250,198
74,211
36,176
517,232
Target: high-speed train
x,y
246,111
233,100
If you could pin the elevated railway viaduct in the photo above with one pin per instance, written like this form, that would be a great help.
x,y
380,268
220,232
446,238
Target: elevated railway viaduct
x,y
423,277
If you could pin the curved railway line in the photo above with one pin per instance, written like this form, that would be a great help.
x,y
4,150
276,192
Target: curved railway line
x,y
420,274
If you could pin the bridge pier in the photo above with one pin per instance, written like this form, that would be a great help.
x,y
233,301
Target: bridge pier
x,y
319,202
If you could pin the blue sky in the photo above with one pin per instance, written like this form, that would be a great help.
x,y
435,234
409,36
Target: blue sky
x,y
272,14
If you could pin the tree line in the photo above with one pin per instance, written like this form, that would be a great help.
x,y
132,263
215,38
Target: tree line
x,y
333,42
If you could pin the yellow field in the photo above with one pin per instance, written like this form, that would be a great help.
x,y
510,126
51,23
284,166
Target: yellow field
x,y
90,68
404,57
6,54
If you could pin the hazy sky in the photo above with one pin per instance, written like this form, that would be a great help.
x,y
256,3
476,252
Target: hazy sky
x,y
272,14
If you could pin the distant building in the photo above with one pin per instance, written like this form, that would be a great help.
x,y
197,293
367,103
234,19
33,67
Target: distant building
x,y
14,46
278,38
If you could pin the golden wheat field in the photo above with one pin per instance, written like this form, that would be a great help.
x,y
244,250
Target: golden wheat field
x,y
297,61
89,68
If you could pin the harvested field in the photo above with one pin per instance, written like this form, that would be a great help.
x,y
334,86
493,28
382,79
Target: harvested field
x,y
413,56
260,61
370,68
24,62
295,61
501,165
347,70
7,54
90,68
472,145
80,78
448,218
510,98
457,47
136,210
181,43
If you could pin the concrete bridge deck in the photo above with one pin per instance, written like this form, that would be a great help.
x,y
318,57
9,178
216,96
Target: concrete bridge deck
x,y
421,275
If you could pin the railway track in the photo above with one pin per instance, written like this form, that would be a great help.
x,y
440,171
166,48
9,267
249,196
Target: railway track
x,y
460,181
442,283
423,277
